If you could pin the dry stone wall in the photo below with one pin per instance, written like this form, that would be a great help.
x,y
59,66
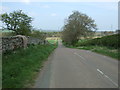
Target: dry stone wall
x,y
32,40
19,41
35,41
11,43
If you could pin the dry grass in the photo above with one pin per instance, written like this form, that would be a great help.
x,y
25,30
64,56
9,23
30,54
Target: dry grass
x,y
53,38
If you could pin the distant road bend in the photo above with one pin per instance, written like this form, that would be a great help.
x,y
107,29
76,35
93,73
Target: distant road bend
x,y
74,68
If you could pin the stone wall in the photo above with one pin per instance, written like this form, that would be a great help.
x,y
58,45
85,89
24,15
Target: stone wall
x,y
32,40
19,41
35,41
11,43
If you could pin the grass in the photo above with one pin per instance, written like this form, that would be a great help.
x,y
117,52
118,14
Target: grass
x,y
111,52
53,38
52,41
106,45
103,50
20,67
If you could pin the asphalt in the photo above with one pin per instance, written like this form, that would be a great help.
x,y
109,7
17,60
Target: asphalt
x,y
75,68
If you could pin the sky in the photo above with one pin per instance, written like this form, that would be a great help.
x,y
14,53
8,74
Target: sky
x,y
51,15
119,15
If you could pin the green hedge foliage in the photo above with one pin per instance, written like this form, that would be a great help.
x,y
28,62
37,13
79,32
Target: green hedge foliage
x,y
108,41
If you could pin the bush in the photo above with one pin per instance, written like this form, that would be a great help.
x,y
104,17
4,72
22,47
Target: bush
x,y
108,41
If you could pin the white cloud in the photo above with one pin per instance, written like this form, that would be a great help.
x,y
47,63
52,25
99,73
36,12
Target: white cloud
x,y
53,14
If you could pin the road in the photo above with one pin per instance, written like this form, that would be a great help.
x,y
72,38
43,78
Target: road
x,y
74,68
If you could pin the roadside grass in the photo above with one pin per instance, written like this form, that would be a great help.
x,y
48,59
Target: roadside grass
x,y
103,50
107,45
52,41
20,67
111,52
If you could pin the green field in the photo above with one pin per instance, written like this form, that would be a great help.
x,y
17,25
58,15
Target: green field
x,y
52,41
21,66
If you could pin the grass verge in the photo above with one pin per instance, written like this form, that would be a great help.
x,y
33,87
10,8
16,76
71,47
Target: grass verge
x,y
111,52
103,50
20,67
52,41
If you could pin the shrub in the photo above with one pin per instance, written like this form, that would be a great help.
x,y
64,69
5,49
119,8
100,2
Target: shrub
x,y
108,41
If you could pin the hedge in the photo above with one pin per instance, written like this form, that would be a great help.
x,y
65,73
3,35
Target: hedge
x,y
108,41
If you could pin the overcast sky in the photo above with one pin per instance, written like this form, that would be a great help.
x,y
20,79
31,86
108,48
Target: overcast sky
x,y
51,15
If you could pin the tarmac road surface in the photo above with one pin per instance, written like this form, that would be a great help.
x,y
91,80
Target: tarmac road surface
x,y
75,68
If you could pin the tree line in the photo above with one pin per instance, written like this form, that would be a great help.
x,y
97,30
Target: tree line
x,y
76,25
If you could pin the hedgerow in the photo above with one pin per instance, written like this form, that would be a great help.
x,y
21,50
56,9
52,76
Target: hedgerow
x,y
108,41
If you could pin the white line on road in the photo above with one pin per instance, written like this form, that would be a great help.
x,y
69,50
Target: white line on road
x,y
79,56
111,80
100,72
107,77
